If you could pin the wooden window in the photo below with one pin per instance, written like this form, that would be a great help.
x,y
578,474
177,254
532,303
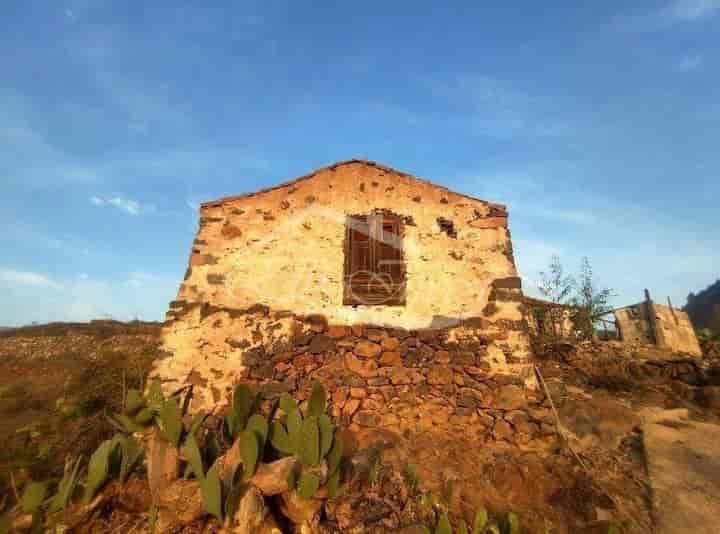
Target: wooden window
x,y
374,262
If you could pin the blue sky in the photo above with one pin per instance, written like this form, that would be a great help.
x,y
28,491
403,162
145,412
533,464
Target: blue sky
x,y
596,122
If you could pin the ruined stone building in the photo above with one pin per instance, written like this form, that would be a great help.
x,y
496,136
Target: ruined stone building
x,y
386,287
549,318
650,323
646,323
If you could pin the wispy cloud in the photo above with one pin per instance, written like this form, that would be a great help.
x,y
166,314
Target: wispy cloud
x,y
143,102
687,63
128,205
19,233
140,279
521,188
671,14
497,108
566,215
630,245
193,204
29,157
531,257
82,297
27,278
688,10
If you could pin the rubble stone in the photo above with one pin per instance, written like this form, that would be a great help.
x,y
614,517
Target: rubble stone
x,y
367,349
438,375
510,397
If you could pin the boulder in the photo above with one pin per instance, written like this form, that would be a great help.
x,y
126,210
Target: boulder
x,y
351,406
271,479
339,396
710,397
391,358
321,343
366,369
367,418
502,430
297,509
163,462
390,343
367,349
440,375
337,332
374,334
510,397
179,503
251,512
400,376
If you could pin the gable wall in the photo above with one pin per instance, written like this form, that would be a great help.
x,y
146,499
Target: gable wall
x,y
674,329
282,250
635,324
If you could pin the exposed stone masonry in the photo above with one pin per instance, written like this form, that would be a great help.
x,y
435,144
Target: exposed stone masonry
x,y
404,380
266,275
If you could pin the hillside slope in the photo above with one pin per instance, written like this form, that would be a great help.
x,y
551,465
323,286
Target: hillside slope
x,y
704,308
58,381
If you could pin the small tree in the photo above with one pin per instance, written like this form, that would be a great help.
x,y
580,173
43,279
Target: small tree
x,y
557,287
591,302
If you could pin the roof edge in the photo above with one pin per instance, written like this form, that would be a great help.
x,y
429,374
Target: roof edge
x,y
223,200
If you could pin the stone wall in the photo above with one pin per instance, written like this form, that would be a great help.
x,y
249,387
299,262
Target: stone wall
x,y
261,260
284,248
232,345
675,331
667,327
548,319
634,324
401,380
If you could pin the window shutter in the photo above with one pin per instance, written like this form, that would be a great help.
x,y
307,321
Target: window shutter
x,y
374,263
360,260
389,256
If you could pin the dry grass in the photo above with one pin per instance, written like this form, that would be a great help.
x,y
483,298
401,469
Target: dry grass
x,y
59,381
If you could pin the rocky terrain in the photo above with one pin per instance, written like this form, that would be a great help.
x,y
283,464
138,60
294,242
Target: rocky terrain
x,y
578,457
58,380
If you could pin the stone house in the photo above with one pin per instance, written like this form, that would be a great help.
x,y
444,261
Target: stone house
x,y
649,323
549,318
363,277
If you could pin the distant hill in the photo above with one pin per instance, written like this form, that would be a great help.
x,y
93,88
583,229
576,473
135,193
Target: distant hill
x,y
704,308
101,327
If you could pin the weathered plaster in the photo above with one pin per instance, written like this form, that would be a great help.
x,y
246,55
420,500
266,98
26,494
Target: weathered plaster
x,y
281,250
673,329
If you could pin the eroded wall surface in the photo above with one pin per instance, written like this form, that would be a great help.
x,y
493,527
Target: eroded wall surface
x,y
400,380
634,324
282,251
546,318
673,329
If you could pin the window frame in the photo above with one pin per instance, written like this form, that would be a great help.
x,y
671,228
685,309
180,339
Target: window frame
x,y
377,221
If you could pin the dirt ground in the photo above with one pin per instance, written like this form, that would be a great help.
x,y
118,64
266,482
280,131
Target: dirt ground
x,y
594,477
684,472
59,382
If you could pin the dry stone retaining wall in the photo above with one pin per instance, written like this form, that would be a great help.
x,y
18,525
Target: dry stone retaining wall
x,y
402,380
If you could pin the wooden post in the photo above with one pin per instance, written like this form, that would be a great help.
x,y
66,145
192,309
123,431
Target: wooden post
x,y
672,310
650,310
